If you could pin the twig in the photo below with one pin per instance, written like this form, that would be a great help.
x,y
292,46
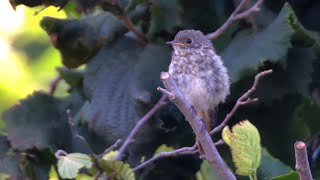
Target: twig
x,y
76,135
178,152
236,15
243,100
302,163
130,26
139,125
53,85
60,153
115,145
211,154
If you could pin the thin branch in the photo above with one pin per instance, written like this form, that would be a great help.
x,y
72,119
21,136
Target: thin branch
x,y
211,154
53,85
302,163
76,135
130,26
236,15
115,145
139,125
243,100
60,153
178,152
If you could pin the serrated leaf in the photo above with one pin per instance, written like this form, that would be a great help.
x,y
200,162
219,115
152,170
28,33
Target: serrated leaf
x,y
30,123
290,176
162,148
271,167
249,49
70,164
118,169
244,141
165,15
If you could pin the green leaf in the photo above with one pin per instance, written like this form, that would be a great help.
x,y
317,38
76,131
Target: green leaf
x,y
308,113
117,169
290,176
250,49
69,165
31,123
165,15
163,148
244,141
207,172
271,167
93,32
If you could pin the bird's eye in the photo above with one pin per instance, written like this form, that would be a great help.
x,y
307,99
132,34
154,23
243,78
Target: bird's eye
x,y
189,41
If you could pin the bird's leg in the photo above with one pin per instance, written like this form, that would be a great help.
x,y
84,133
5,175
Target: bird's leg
x,y
201,150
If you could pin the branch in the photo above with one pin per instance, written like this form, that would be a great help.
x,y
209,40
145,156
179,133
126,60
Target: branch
x,y
211,154
139,125
76,135
236,15
243,100
53,85
302,163
130,26
115,145
178,152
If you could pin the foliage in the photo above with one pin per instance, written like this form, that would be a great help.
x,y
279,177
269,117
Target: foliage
x,y
118,75
244,141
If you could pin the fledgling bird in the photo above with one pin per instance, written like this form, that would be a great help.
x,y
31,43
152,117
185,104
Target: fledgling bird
x,y
199,72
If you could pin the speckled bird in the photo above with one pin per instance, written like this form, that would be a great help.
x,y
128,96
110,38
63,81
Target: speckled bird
x,y
199,72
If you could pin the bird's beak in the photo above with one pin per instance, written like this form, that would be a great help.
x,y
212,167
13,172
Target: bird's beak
x,y
173,43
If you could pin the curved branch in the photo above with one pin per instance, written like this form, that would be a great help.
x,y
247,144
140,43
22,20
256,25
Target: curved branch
x,y
243,100
211,154
139,125
236,15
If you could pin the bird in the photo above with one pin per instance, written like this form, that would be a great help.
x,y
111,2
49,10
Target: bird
x,y
199,72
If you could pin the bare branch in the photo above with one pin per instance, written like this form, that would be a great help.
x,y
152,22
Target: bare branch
x,y
302,163
115,145
236,15
60,153
139,125
53,85
76,135
243,100
130,26
211,154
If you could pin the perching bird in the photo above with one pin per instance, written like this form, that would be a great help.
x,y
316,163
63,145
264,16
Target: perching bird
x,y
199,72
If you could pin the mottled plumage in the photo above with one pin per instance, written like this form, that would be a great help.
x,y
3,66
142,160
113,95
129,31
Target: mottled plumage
x,y
198,71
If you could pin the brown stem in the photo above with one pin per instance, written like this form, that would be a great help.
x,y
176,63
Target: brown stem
x,y
302,163
236,15
53,85
211,154
243,100
139,125
130,26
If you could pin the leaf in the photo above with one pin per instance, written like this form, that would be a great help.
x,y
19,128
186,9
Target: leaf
x,y
163,148
249,49
271,167
244,141
53,175
110,156
31,123
308,113
9,161
69,165
165,15
72,77
290,176
93,32
207,172
117,169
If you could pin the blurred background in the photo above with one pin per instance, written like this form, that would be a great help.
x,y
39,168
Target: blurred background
x,y
27,58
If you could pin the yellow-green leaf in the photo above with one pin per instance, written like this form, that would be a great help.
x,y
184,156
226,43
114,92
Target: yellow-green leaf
x,y
69,165
118,169
110,156
244,141
163,148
